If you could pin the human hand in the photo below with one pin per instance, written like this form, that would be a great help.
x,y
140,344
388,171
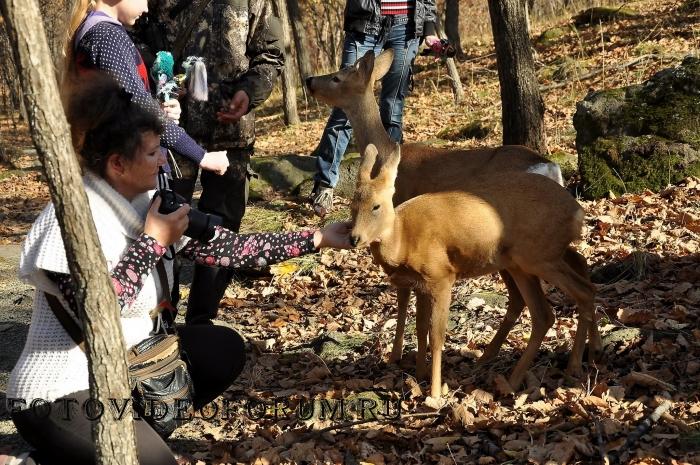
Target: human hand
x,y
237,107
431,40
166,229
215,161
336,235
172,110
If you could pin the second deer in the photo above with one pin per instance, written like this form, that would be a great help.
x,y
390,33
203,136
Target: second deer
x,y
522,224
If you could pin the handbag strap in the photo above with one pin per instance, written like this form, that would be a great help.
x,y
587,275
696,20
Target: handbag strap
x,y
185,32
66,321
72,327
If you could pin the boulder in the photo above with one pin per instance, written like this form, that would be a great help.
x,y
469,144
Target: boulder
x,y
640,137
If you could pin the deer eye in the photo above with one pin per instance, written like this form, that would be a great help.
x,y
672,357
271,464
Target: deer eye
x,y
375,208
335,79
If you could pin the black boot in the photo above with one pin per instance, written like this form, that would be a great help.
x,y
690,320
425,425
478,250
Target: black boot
x,y
208,288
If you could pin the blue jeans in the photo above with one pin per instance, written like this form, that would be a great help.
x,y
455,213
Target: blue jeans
x,y
334,141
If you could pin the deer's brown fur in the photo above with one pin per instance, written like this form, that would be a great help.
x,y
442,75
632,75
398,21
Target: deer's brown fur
x,y
521,223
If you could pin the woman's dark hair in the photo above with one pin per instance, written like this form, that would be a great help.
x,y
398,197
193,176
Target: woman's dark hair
x,y
105,121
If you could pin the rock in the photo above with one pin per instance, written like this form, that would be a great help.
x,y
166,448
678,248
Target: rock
x,y
475,129
640,137
293,174
568,68
603,14
551,35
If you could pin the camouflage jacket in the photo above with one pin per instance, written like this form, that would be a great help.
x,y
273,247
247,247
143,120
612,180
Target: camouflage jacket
x,y
240,41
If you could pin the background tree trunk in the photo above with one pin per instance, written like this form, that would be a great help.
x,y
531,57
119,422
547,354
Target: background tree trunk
x,y
522,105
301,45
289,91
452,70
114,439
452,25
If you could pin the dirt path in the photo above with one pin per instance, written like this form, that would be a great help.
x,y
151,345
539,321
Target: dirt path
x,y
15,315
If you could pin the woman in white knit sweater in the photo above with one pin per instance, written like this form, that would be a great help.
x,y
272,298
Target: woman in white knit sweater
x,y
118,142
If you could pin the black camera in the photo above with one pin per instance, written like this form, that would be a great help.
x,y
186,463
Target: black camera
x,y
201,227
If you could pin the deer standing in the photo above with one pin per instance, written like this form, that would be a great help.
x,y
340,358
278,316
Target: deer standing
x,y
423,169
522,223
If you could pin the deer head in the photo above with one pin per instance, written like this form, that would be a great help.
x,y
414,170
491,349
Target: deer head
x,y
372,208
335,89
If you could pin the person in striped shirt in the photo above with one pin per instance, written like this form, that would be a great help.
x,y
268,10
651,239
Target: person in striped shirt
x,y
373,25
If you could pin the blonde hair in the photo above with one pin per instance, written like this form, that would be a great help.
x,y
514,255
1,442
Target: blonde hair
x,y
80,9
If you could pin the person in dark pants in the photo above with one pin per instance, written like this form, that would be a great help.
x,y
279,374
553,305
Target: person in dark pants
x,y
373,26
243,60
118,142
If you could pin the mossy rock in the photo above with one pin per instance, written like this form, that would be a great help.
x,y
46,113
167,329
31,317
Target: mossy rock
x,y
476,129
568,68
603,14
624,164
690,6
640,137
566,161
294,174
338,346
551,35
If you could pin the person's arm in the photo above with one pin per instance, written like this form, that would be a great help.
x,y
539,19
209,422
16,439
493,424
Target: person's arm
x,y
429,28
232,250
265,50
127,276
107,47
244,251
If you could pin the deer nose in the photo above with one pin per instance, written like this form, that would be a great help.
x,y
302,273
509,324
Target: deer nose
x,y
308,81
354,240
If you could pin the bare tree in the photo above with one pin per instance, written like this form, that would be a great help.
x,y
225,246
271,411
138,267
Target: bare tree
x,y
289,91
301,45
114,439
522,105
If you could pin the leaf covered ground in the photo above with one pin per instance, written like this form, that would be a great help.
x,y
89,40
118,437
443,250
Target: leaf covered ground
x,y
320,328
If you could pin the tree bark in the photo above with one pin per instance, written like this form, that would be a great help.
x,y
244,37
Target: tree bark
x,y
452,25
289,91
452,70
522,105
301,46
114,439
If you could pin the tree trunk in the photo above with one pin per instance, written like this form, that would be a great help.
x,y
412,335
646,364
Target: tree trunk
x,y
301,46
452,70
522,105
114,439
452,25
289,91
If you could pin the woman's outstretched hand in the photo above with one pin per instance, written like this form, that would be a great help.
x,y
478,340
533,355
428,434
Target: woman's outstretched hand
x,y
336,235
166,229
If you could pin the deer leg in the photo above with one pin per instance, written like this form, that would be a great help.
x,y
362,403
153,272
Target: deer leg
x,y
582,291
578,263
442,296
542,319
516,304
402,296
423,310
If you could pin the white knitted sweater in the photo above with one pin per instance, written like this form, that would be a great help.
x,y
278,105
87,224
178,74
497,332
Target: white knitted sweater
x,y
51,365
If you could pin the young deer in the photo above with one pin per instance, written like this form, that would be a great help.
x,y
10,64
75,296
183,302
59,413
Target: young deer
x,y
424,169
522,224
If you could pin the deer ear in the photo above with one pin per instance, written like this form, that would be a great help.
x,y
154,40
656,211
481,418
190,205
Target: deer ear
x,y
390,167
383,63
368,158
366,64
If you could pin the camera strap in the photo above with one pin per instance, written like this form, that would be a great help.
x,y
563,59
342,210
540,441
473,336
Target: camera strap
x,y
76,333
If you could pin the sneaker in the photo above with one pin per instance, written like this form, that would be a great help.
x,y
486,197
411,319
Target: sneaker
x,y
322,200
